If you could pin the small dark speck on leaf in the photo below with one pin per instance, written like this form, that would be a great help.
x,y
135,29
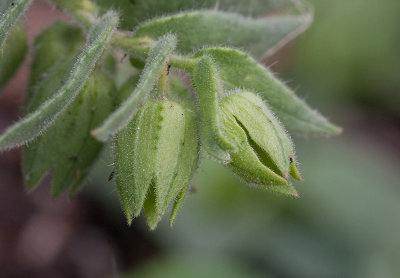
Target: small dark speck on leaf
x,y
123,57
169,66
13,4
110,177
291,159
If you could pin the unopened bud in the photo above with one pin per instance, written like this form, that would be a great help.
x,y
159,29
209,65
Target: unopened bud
x,y
265,154
156,155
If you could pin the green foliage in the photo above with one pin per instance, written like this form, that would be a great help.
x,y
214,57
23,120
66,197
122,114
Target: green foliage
x,y
37,122
238,70
223,99
12,55
200,28
10,11
135,12
54,50
157,58
211,136
67,146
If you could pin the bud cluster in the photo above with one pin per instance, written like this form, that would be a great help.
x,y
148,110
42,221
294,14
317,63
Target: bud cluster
x,y
222,101
156,153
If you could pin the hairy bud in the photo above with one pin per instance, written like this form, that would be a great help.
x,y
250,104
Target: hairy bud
x,y
155,157
265,154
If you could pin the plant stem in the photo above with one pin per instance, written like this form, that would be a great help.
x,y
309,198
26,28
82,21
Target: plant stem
x,y
139,47
163,86
85,12
183,63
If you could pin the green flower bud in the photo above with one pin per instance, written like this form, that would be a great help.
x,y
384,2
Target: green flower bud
x,y
155,157
265,155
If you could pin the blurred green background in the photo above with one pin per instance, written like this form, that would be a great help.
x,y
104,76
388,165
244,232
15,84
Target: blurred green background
x,y
347,221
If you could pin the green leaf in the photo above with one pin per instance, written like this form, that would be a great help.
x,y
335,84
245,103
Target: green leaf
x,y
238,70
135,12
67,146
156,59
10,11
206,85
196,29
55,45
37,122
12,55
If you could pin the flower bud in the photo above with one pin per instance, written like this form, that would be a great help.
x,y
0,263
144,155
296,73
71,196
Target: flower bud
x,y
155,157
265,154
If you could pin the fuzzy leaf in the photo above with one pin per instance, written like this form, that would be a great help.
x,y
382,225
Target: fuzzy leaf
x,y
156,59
238,70
67,146
55,45
206,85
10,11
12,55
136,12
197,29
37,122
